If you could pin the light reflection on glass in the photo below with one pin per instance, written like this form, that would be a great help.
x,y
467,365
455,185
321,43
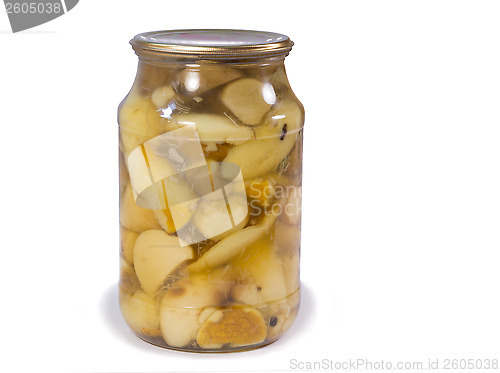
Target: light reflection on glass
x,y
268,94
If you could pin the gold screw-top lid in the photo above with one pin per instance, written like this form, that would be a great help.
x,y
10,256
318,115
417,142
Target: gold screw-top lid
x,y
220,44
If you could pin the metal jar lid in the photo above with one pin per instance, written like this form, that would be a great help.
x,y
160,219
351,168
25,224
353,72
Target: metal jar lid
x,y
213,44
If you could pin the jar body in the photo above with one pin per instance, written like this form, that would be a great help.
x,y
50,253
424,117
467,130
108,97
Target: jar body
x,y
210,200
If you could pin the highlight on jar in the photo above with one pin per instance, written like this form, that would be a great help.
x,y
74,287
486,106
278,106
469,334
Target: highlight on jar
x,y
210,204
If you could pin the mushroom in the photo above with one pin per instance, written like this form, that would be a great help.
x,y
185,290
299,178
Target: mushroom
x,y
156,256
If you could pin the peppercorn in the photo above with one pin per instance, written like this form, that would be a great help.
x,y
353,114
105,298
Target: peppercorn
x,y
283,132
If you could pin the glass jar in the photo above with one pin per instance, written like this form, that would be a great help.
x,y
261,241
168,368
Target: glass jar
x,y
210,191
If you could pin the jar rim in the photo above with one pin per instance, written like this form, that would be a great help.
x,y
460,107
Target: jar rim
x,y
211,43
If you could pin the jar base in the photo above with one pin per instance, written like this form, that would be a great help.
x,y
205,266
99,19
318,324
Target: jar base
x,y
159,342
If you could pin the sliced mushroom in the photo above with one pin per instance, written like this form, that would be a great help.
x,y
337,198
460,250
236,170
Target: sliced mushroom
x,y
278,317
274,140
129,282
162,95
196,80
249,99
234,244
182,308
128,238
133,217
156,256
236,326
138,121
140,311
215,220
215,129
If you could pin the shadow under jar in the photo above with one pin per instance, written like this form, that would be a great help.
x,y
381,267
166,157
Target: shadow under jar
x,y
210,191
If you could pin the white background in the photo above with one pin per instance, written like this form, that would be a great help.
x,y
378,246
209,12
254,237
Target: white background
x,y
401,203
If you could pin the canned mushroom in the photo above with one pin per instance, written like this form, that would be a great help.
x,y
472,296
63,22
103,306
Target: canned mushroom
x,y
210,190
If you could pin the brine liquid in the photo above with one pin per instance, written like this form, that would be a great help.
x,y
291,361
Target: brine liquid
x,y
210,200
